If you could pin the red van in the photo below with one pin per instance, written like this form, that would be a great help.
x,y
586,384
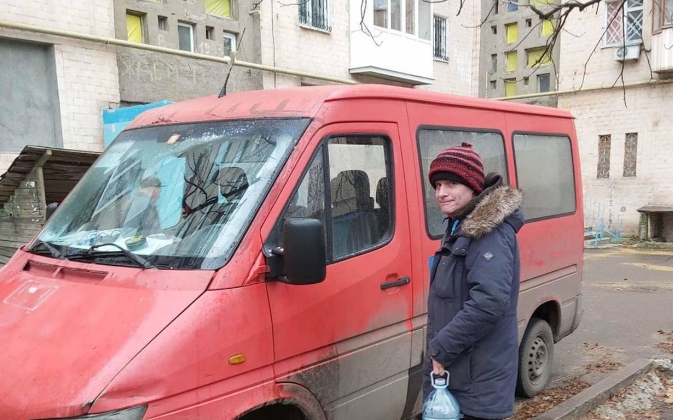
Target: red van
x,y
266,255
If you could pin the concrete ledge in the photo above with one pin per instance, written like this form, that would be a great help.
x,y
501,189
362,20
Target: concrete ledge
x,y
597,394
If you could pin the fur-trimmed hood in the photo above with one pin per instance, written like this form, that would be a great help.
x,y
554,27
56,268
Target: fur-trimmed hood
x,y
498,203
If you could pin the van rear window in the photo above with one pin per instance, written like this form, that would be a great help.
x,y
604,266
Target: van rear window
x,y
544,170
489,144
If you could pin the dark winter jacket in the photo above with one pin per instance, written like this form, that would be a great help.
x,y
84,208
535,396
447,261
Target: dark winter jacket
x,y
474,289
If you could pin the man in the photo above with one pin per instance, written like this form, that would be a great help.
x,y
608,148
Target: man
x,y
143,214
474,286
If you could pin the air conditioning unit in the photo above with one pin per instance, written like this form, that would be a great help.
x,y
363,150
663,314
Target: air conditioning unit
x,y
631,52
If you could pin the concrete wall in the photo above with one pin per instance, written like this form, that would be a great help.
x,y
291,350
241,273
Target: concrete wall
x,y
646,112
528,38
29,102
86,73
146,76
287,44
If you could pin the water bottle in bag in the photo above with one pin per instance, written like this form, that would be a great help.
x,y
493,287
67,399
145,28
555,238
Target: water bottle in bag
x,y
440,404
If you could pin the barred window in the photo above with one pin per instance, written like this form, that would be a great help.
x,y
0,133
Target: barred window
x,y
624,22
440,47
630,155
604,143
315,14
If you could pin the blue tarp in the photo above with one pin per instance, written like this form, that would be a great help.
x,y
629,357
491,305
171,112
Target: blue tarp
x,y
115,120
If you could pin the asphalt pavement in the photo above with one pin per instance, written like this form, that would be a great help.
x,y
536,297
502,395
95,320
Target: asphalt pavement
x,y
628,304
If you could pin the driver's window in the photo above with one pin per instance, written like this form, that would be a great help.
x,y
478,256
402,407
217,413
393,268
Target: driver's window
x,y
309,199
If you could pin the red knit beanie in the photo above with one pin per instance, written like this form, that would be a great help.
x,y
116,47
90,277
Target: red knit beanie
x,y
459,164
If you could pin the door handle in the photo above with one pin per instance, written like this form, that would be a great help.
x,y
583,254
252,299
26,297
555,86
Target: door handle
x,y
390,284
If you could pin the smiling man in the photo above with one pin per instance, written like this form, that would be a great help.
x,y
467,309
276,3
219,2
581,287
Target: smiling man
x,y
474,286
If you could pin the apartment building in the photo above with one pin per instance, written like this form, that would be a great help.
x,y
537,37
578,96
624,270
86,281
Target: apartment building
x,y
517,55
54,89
624,132
212,27
412,43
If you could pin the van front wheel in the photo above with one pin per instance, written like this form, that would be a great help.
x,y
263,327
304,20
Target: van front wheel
x,y
536,356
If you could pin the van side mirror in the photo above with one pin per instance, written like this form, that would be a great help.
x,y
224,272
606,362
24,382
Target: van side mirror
x,y
304,255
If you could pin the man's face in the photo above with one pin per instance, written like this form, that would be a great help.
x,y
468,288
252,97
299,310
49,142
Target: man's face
x,y
452,197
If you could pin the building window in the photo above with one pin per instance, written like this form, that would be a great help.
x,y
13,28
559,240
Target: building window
x,y
544,172
186,36
512,6
547,28
210,32
630,155
494,63
604,156
163,23
511,58
229,43
512,31
314,14
510,87
218,8
388,14
440,50
662,14
525,81
494,30
538,57
496,6
543,83
494,84
529,23
134,28
624,23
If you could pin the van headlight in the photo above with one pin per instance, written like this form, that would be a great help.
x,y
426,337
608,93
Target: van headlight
x,y
135,413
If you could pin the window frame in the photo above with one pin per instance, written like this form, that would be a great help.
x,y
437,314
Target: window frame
x,y
445,37
625,22
662,17
539,83
423,178
322,149
142,22
191,34
416,20
306,18
572,161
234,40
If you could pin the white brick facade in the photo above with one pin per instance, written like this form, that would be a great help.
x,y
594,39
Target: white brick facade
x,y
86,73
286,44
603,112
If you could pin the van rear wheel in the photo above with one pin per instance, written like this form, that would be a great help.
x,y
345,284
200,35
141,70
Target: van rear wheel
x,y
536,356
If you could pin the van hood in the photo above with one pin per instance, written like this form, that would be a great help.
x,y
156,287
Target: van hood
x,y
67,329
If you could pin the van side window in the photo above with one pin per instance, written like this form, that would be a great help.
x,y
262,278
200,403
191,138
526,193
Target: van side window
x,y
432,140
359,217
544,170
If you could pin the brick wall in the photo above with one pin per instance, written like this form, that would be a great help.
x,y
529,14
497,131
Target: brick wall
x,y
86,73
603,112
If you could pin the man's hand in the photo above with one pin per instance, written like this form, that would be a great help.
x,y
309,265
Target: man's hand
x,y
437,368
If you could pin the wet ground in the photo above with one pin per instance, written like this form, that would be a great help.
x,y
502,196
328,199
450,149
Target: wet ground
x,y
628,304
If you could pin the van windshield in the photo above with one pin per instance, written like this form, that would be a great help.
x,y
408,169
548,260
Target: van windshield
x,y
178,196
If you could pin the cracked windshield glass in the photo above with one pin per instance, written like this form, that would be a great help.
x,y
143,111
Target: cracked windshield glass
x,y
178,196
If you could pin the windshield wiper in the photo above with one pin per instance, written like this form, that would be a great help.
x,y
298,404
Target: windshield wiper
x,y
142,262
49,247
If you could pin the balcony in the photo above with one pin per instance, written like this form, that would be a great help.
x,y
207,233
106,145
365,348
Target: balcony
x,y
399,45
662,51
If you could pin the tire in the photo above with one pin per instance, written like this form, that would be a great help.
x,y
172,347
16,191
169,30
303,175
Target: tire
x,y
536,357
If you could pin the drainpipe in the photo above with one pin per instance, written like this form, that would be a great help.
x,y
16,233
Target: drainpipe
x,y
590,89
123,43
